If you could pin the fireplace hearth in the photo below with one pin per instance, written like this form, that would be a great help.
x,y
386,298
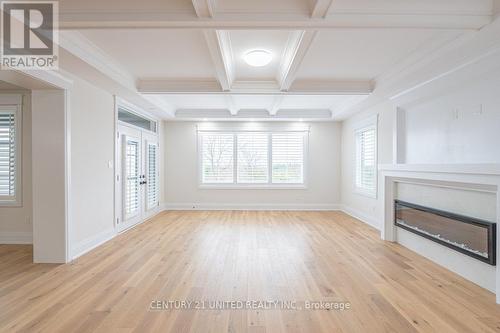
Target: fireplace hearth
x,y
473,237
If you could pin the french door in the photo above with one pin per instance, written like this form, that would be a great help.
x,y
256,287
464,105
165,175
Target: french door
x,y
137,176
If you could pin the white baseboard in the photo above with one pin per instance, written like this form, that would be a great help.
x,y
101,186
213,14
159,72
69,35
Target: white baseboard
x,y
363,217
15,237
91,243
231,206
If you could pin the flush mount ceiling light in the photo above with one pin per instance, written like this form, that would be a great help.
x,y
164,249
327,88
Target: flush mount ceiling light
x,y
258,58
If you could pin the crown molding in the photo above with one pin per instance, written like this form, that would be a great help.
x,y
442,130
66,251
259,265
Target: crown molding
x,y
80,46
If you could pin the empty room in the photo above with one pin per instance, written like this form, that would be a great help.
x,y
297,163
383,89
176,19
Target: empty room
x,y
250,166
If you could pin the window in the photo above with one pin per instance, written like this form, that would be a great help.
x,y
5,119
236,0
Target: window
x,y
252,158
134,119
217,158
245,158
10,156
288,158
366,160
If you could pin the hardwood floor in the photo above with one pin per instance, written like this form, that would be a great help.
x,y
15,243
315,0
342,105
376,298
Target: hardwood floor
x,y
241,256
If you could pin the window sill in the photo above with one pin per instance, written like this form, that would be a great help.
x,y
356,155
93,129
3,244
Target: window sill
x,y
252,187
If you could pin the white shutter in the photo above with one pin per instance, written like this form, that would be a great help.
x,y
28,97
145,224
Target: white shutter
x,y
288,158
131,177
366,169
7,154
217,151
252,155
152,175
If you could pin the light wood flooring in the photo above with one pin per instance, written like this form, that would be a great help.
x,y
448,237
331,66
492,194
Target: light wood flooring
x,y
241,256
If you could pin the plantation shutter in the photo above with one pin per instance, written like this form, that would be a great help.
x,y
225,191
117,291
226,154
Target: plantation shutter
x,y
7,154
132,151
288,158
217,158
366,160
152,177
252,158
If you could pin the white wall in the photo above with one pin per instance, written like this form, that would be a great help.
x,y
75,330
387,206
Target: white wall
x,y
49,163
181,174
461,126
92,181
16,222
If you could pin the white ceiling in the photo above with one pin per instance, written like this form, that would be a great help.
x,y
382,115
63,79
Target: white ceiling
x,y
187,55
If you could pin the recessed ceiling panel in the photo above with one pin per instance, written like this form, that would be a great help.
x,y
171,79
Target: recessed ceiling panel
x,y
244,41
156,53
360,54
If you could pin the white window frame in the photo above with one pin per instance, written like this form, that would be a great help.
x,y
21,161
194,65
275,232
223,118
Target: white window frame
x,y
367,124
14,103
269,184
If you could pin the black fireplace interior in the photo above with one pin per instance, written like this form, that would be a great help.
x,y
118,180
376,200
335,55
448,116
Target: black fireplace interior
x,y
470,236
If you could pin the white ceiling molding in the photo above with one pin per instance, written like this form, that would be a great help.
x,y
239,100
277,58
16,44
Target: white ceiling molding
x,y
300,87
278,100
204,8
167,86
304,114
255,86
297,46
221,57
231,104
200,114
360,19
333,87
35,79
320,8
78,45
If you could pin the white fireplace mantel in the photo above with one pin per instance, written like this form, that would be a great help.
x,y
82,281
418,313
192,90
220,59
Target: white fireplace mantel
x,y
481,177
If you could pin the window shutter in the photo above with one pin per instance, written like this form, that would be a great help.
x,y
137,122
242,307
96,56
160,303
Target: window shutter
x,y
152,177
217,158
366,159
7,154
288,158
252,158
132,178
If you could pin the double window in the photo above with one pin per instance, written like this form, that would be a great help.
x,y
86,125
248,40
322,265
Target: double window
x,y
366,160
252,158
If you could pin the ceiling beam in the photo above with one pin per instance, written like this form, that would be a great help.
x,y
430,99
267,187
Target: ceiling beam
x,y
297,46
300,87
320,8
127,20
278,100
219,46
204,8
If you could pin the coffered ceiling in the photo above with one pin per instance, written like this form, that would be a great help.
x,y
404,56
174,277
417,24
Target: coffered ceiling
x,y
186,56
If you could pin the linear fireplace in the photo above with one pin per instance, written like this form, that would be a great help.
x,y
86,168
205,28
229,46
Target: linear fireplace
x,y
470,236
